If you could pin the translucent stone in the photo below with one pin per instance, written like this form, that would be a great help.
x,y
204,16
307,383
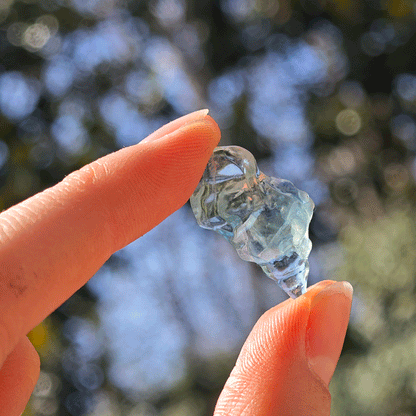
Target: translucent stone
x,y
266,219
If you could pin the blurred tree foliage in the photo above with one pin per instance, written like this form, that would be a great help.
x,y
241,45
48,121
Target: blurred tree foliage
x,y
321,89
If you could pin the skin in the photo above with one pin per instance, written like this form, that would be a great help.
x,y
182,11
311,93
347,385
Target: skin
x,y
52,243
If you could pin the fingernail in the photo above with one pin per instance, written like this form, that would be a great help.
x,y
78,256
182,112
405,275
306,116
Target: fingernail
x,y
175,125
328,320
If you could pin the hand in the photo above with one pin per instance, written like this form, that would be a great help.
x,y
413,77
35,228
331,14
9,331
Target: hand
x,y
287,362
52,243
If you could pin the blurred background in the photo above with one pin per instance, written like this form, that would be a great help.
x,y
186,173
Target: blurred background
x,y
323,92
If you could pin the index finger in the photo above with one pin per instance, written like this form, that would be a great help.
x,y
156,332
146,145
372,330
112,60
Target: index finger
x,y
52,243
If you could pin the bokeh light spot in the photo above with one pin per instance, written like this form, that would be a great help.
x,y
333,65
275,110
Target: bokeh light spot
x,y
168,12
50,21
351,94
398,8
239,10
36,36
59,76
19,95
46,385
342,161
47,406
404,128
5,4
70,134
372,43
15,33
396,177
348,122
406,87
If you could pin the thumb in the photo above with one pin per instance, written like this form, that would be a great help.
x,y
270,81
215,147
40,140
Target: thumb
x,y
287,362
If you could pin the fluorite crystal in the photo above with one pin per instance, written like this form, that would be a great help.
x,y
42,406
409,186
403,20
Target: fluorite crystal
x,y
266,219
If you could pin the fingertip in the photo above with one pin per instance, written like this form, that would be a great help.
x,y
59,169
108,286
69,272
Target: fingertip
x,y
177,124
215,128
317,287
327,324
216,132
195,132
272,374
289,357
347,287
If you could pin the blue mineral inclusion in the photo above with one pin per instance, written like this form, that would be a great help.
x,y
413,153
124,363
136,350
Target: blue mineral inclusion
x,y
266,219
